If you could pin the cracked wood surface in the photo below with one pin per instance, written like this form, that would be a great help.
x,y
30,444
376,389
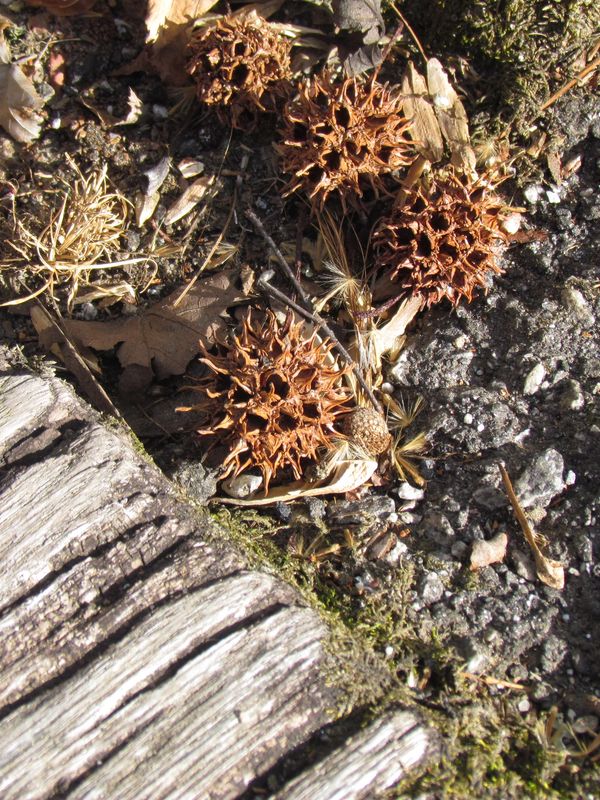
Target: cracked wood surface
x,y
140,657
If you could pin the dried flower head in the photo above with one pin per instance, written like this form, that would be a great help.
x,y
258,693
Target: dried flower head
x,y
337,133
241,62
443,241
273,397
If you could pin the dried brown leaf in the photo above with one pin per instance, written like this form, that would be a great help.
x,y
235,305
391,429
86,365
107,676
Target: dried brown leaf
x,y
162,15
18,98
189,199
164,339
489,552
135,109
550,572
451,116
418,107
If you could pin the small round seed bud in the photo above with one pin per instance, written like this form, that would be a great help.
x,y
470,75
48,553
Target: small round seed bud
x,y
367,428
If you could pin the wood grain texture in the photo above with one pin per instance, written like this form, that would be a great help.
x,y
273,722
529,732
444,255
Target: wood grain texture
x,y
140,656
369,763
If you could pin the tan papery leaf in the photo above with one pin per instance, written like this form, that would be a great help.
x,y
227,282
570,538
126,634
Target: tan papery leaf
x,y
418,107
348,475
451,116
189,199
18,98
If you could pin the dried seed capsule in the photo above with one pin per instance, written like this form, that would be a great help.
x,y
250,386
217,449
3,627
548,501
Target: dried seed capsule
x,y
443,241
367,428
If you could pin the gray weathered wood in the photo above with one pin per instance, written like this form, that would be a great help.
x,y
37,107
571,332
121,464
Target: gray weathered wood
x,y
369,763
140,657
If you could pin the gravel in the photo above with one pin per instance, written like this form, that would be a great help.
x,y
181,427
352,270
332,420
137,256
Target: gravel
x,y
514,378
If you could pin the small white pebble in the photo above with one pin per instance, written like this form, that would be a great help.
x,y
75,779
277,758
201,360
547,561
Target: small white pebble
x,y
480,427
523,705
553,197
468,419
532,193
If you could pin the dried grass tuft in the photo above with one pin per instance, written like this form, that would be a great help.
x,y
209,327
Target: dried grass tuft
x,y
86,223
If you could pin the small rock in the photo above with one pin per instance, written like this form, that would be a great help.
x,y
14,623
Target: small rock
x,y
574,300
490,498
359,512
572,397
242,486
523,705
532,193
552,197
431,588
459,550
541,480
407,492
534,379
523,565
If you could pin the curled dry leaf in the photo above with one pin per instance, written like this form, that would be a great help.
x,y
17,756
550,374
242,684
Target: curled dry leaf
x,y
163,339
107,120
146,202
348,475
189,199
489,552
451,116
418,107
163,15
550,572
18,97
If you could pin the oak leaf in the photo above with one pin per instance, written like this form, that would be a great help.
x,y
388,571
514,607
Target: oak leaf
x,y
164,338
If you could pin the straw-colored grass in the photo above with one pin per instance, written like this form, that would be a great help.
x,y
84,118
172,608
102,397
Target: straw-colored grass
x,y
86,222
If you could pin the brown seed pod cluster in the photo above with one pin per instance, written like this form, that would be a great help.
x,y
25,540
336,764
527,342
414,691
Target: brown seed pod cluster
x,y
273,397
444,241
337,133
241,64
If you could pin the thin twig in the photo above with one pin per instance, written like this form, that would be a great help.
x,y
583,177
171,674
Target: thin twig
x,y
410,30
317,319
564,89
287,271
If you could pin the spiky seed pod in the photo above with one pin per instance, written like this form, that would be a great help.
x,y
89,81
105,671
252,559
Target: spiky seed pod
x,y
444,240
273,397
336,134
240,64
367,428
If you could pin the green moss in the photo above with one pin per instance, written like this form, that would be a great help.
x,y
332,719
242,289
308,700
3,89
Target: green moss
x,y
522,50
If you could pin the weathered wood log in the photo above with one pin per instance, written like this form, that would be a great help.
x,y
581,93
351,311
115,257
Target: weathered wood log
x,y
369,763
140,657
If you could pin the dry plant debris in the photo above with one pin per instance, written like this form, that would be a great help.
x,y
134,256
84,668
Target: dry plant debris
x,y
443,241
368,428
273,397
19,100
241,65
337,133
162,340
549,571
84,228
